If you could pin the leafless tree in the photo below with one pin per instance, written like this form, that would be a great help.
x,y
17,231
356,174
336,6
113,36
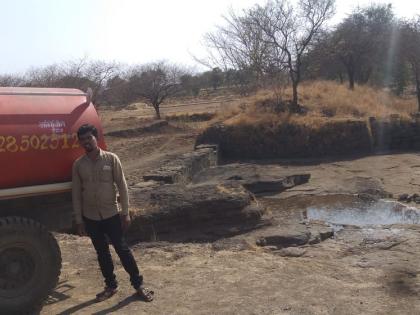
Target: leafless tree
x,y
239,45
99,72
154,83
47,76
291,29
12,80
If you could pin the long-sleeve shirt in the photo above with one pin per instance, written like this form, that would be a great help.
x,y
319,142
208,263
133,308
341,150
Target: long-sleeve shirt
x,y
94,187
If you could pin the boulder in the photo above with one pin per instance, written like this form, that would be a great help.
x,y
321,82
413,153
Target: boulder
x,y
195,212
183,168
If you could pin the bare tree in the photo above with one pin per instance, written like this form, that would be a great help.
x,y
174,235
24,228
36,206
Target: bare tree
x,y
291,30
47,76
76,67
12,80
239,45
155,82
99,72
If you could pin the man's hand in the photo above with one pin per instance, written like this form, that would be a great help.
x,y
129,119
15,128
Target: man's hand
x,y
125,221
80,229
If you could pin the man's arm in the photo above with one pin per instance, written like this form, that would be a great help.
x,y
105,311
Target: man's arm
x,y
77,194
121,183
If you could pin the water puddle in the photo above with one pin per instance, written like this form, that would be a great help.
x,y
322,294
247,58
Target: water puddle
x,y
373,213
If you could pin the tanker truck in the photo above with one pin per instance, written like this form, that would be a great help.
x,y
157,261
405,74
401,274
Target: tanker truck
x,y
38,144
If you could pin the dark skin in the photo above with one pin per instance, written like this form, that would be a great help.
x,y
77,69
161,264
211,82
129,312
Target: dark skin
x,y
89,142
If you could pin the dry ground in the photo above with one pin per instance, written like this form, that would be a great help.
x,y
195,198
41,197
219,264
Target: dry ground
x,y
350,274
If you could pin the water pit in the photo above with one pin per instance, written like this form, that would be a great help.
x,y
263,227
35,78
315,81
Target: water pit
x,y
357,212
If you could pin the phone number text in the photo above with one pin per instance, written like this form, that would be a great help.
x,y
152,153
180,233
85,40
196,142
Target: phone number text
x,y
26,143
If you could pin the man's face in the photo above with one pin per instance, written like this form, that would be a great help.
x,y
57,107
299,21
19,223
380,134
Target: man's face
x,y
88,142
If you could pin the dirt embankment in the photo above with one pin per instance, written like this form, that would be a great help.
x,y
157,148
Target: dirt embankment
x,y
293,140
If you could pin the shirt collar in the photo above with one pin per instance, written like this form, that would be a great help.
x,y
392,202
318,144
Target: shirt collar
x,y
101,154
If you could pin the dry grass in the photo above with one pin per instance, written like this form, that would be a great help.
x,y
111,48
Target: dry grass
x,y
325,101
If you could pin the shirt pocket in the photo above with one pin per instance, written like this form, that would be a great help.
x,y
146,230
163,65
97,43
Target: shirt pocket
x,y
106,173
86,174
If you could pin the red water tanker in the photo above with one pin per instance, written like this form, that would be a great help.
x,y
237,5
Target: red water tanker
x,y
38,140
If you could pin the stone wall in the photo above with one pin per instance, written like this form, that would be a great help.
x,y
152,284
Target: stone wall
x,y
183,168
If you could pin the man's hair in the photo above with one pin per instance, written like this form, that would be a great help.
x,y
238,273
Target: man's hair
x,y
87,128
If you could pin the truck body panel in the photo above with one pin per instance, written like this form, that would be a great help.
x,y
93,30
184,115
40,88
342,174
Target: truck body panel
x,y
38,140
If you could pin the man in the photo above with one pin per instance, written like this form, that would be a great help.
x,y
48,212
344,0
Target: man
x,y
96,175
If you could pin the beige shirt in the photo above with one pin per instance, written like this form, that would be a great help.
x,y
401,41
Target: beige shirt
x,y
94,187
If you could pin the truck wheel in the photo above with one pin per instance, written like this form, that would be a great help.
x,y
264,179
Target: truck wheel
x,y
30,263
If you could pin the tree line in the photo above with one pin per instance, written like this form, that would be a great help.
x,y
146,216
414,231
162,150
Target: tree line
x,y
116,84
278,41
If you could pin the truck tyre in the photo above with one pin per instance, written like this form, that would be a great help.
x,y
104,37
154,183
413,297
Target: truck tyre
x,y
30,264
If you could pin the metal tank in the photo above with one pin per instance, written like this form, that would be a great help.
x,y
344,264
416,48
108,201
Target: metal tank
x,y
38,140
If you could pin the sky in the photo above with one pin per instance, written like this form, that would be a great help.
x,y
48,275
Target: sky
x,y
36,33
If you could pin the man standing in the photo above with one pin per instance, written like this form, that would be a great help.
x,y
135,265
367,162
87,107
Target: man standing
x,y
96,177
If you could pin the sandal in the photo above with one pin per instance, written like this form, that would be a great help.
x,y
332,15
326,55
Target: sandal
x,y
146,294
105,294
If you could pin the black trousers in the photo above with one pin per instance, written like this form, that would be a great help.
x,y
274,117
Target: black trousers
x,y
111,228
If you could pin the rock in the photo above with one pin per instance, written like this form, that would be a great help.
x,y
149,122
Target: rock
x,y
197,212
326,234
258,180
282,237
285,239
232,245
403,197
368,197
319,234
315,239
235,177
147,184
291,252
275,184
183,168
200,199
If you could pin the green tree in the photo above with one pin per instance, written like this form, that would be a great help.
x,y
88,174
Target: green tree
x,y
362,40
410,32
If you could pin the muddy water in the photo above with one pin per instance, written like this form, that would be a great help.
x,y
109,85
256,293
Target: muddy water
x,y
363,213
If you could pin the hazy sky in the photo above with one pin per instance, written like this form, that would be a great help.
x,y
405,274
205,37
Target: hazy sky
x,y
42,32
